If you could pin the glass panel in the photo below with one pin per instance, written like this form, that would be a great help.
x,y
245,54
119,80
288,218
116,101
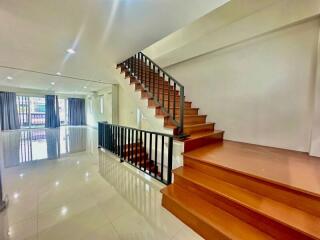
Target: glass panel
x,y
37,111
63,111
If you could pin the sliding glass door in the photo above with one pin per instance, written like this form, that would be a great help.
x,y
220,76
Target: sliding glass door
x,y
32,111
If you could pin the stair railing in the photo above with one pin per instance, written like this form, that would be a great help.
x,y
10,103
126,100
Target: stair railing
x,y
150,152
159,84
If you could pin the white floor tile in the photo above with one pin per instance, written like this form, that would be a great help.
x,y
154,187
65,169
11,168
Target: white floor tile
x,y
85,195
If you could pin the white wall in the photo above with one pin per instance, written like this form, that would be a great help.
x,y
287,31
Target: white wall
x,y
127,108
315,134
260,91
93,114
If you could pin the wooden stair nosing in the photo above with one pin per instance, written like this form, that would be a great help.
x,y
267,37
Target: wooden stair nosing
x,y
202,138
294,222
276,191
208,220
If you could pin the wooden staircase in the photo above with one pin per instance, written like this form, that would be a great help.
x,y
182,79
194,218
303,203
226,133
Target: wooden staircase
x,y
216,201
136,154
194,122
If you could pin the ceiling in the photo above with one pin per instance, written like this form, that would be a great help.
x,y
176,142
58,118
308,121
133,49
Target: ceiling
x,y
35,35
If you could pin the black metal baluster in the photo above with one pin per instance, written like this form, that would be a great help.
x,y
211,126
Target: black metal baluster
x,y
142,70
169,84
125,144
140,67
112,138
164,79
121,143
145,152
118,143
132,150
129,150
136,147
158,92
170,146
154,81
134,66
174,101
156,156
150,152
181,109
148,75
162,157
140,144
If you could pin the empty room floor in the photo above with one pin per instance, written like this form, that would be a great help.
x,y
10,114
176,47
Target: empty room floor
x,y
60,186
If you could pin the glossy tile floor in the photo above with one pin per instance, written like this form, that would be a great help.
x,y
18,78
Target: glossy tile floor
x,y
60,186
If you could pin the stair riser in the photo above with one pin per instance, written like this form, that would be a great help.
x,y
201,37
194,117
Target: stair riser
x,y
147,95
151,103
192,144
159,88
138,86
207,127
193,221
188,120
270,226
166,97
187,111
294,198
157,81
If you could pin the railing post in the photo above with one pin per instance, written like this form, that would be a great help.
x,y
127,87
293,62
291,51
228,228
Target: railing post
x,y
170,150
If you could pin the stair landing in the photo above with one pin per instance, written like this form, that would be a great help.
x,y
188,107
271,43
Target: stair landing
x,y
292,169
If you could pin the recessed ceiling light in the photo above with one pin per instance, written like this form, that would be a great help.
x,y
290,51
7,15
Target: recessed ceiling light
x,y
58,73
9,78
53,83
71,51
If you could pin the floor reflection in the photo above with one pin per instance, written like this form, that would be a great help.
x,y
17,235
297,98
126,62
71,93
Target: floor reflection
x,y
23,146
86,195
135,187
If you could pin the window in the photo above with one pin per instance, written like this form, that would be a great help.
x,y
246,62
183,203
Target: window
x,y
101,104
31,111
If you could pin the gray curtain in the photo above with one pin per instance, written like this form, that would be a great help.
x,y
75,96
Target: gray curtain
x,y
52,112
76,111
9,118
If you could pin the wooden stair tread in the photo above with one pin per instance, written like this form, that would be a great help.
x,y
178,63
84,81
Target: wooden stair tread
x,y
225,223
191,125
295,218
264,163
197,124
192,116
202,134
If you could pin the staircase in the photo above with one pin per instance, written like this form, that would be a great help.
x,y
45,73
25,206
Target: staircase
x,y
219,202
136,154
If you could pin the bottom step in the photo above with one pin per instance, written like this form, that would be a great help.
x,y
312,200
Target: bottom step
x,y
209,221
